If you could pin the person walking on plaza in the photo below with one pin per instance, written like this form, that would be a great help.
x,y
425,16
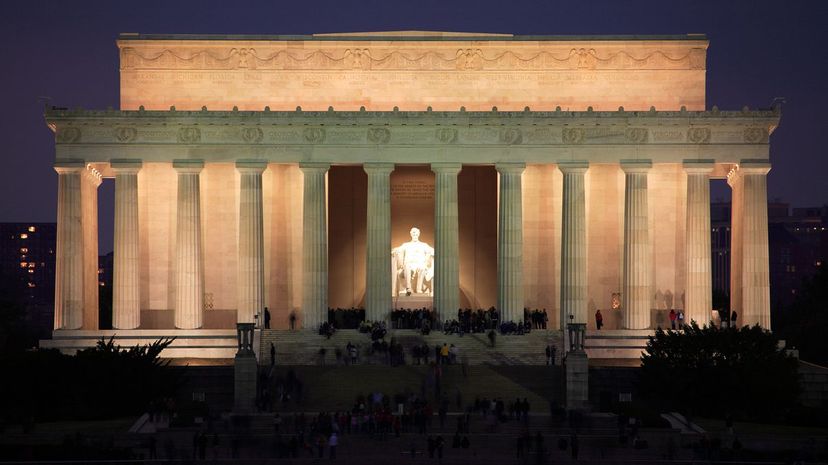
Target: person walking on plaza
x,y
272,354
672,319
599,320
333,441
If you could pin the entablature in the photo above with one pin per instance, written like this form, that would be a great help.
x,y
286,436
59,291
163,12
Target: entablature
x,y
416,137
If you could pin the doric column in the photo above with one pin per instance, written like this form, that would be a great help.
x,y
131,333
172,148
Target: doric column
x,y
189,271
126,303
315,246
446,240
637,279
750,286
90,181
573,244
378,250
69,253
510,242
698,297
250,281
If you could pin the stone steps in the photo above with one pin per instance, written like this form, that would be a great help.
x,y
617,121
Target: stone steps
x,y
303,347
335,388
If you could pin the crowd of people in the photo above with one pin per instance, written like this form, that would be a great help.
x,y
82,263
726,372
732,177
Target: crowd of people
x,y
346,318
417,318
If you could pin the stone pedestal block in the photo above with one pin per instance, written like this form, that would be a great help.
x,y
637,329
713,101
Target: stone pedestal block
x,y
577,380
244,392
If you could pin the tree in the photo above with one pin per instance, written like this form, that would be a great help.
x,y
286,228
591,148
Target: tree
x,y
711,371
802,324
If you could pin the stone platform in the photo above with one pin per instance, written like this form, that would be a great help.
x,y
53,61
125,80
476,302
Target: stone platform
x,y
188,343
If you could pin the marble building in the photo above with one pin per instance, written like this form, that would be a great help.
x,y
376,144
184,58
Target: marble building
x,y
281,171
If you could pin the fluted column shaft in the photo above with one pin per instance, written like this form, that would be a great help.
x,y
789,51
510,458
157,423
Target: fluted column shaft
x,y
637,277
510,242
573,244
126,299
315,245
698,298
250,280
69,254
446,240
189,296
750,280
378,250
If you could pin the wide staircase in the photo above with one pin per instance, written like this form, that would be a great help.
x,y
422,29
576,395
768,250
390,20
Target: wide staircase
x,y
336,388
306,347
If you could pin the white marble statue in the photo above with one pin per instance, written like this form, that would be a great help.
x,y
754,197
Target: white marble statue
x,y
413,261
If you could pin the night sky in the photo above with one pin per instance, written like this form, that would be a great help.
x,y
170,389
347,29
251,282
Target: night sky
x,y
65,50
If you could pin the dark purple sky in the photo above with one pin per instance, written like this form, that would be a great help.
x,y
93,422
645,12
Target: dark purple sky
x,y
66,50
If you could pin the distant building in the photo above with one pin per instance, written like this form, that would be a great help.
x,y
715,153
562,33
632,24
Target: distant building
x,y
27,267
797,243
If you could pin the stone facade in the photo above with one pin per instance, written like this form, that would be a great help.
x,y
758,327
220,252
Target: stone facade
x,y
225,210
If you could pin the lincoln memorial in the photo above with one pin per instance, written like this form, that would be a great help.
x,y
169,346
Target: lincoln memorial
x,y
405,169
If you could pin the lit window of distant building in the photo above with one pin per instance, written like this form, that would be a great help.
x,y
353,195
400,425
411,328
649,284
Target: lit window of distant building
x,y
24,236
24,250
32,285
31,229
24,264
31,270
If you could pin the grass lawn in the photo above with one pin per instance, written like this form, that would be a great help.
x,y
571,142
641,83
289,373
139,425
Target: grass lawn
x,y
715,426
48,432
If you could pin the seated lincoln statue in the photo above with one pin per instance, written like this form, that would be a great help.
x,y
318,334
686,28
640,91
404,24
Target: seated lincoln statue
x,y
412,263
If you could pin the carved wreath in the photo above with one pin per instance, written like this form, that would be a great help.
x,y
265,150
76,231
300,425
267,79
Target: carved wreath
x,y
756,135
124,135
573,136
189,135
68,135
511,136
698,135
314,135
252,135
636,135
379,135
446,135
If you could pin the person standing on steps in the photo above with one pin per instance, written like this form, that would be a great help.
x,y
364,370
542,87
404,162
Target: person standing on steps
x,y
267,318
599,320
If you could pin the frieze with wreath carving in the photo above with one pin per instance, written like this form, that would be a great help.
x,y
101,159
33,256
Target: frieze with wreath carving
x,y
274,58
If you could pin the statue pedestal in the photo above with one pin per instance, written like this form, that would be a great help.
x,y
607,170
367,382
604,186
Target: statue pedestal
x,y
413,301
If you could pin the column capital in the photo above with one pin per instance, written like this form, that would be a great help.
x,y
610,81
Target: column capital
x,y
698,166
754,167
574,167
251,166
188,166
93,175
311,167
446,168
126,166
69,166
510,168
636,166
378,168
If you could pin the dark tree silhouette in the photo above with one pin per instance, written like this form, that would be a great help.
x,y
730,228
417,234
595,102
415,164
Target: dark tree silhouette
x,y
712,371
